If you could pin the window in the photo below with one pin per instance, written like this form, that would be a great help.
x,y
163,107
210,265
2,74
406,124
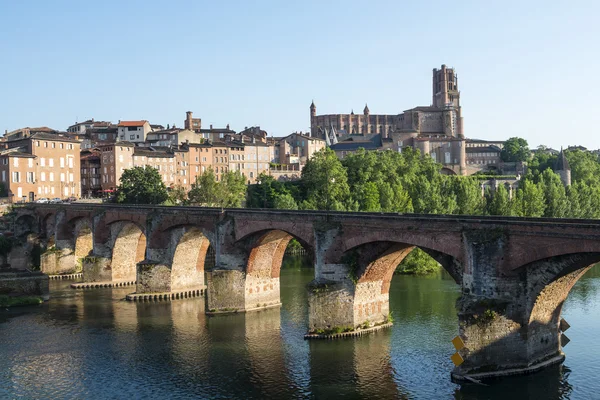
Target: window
x,y
16,162
62,175
45,144
43,177
51,162
16,177
30,177
131,137
30,162
62,146
53,145
3,176
51,177
70,162
37,143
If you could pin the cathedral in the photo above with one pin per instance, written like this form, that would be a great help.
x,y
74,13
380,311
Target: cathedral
x,y
436,130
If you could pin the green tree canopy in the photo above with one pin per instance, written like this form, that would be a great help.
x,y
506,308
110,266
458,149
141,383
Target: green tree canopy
x,y
141,185
515,149
326,182
208,192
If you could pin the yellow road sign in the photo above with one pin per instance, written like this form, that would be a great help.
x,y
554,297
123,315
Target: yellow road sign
x,y
458,343
457,359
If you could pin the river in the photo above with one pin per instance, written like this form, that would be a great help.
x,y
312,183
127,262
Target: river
x,y
93,344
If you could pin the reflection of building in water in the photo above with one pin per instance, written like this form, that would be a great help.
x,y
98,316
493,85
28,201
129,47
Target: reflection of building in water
x,y
354,368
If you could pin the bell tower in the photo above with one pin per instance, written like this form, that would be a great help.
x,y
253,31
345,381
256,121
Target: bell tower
x,y
313,119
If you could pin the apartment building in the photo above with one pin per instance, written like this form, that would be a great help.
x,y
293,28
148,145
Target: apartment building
x,y
258,157
41,165
91,177
114,158
133,131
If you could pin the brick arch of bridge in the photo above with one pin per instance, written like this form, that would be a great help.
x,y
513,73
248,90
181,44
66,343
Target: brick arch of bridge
x,y
374,256
103,222
127,242
77,230
25,224
549,282
265,250
522,251
184,249
48,226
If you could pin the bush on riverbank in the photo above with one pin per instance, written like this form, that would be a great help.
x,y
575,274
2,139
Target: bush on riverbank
x,y
417,262
10,301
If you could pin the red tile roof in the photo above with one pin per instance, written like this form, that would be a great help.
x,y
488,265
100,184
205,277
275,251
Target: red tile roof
x,y
133,123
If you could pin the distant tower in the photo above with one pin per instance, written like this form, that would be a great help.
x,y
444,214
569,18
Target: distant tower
x,y
366,110
561,167
445,94
313,119
188,120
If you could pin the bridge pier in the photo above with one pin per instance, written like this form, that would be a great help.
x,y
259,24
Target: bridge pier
x,y
59,261
236,291
158,280
338,301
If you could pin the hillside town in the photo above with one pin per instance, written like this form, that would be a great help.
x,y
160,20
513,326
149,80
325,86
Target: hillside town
x,y
87,159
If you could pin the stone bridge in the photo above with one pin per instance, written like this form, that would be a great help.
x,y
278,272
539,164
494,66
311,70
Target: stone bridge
x,y
514,273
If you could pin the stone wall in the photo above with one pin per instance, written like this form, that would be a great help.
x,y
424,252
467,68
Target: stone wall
x,y
261,292
97,269
225,290
20,283
153,278
370,305
330,304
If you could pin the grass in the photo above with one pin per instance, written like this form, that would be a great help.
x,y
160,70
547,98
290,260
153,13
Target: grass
x,y
16,301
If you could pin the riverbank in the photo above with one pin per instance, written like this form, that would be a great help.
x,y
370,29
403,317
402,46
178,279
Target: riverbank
x,y
18,301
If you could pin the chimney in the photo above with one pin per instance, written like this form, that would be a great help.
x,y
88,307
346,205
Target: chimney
x,y
227,126
211,126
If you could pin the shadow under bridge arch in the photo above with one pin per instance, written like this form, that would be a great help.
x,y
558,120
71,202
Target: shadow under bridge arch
x,y
266,250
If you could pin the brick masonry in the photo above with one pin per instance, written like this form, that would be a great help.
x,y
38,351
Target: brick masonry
x,y
514,272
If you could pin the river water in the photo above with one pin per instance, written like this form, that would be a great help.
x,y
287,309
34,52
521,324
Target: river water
x,y
93,344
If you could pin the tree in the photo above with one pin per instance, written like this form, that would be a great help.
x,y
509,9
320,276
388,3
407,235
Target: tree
x,y
417,262
584,166
229,192
233,189
205,191
285,202
555,196
515,149
177,195
468,196
326,182
498,202
141,185
529,200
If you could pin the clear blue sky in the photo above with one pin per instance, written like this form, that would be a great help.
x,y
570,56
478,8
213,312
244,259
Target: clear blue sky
x,y
525,68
